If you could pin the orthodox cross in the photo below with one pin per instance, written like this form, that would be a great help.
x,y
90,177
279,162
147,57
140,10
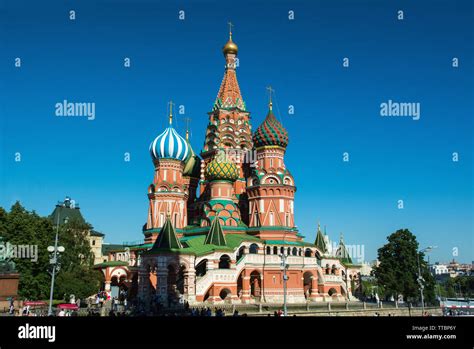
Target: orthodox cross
x,y
270,91
170,103
187,120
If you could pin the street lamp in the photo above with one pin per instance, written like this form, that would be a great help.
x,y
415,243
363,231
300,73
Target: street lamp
x,y
420,278
285,279
55,251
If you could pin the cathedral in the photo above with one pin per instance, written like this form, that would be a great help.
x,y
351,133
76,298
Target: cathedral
x,y
221,224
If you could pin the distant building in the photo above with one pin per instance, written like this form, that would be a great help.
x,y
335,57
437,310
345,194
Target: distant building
x,y
366,269
458,269
439,269
69,209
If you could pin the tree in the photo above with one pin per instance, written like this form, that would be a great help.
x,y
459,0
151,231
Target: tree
x,y
20,227
77,275
397,272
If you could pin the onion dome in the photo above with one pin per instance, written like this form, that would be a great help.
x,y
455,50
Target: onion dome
x,y
230,46
270,132
169,144
192,164
222,169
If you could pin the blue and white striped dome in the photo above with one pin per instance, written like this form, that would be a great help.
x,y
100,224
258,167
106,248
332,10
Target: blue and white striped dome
x,y
169,145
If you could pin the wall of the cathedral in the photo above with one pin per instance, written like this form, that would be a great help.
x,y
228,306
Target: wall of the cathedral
x,y
168,196
252,272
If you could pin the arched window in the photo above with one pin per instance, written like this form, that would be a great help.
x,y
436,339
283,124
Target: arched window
x,y
294,251
333,269
307,252
224,262
318,258
241,253
269,250
201,268
328,270
282,250
275,250
225,294
272,219
253,249
288,252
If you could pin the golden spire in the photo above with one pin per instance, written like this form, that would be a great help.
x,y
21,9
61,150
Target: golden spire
x,y
187,127
230,30
171,111
270,91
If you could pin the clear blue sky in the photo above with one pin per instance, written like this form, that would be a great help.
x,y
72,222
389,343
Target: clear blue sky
x,y
336,108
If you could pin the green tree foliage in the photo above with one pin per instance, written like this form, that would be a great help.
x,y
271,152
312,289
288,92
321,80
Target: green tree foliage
x,y
458,287
76,276
397,272
21,227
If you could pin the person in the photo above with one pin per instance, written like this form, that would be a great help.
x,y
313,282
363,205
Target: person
x,y
12,306
62,313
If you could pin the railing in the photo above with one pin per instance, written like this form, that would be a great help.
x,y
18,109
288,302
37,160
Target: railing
x,y
231,275
214,275
275,259
333,278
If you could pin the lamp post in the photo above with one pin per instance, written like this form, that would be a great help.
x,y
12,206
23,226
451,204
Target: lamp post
x,y
420,278
54,250
285,279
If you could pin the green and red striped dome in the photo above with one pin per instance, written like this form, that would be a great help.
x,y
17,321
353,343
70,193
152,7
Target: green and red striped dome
x,y
270,132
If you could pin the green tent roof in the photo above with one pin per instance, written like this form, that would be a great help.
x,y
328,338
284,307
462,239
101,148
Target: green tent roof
x,y
320,243
195,244
62,212
342,252
167,238
215,236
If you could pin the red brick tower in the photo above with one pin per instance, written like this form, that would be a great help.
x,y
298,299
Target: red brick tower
x,y
271,187
229,122
168,194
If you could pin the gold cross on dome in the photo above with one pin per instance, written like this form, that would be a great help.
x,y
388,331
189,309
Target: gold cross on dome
x,y
270,91
230,29
170,103
187,120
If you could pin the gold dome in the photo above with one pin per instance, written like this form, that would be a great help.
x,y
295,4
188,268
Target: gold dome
x,y
230,47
